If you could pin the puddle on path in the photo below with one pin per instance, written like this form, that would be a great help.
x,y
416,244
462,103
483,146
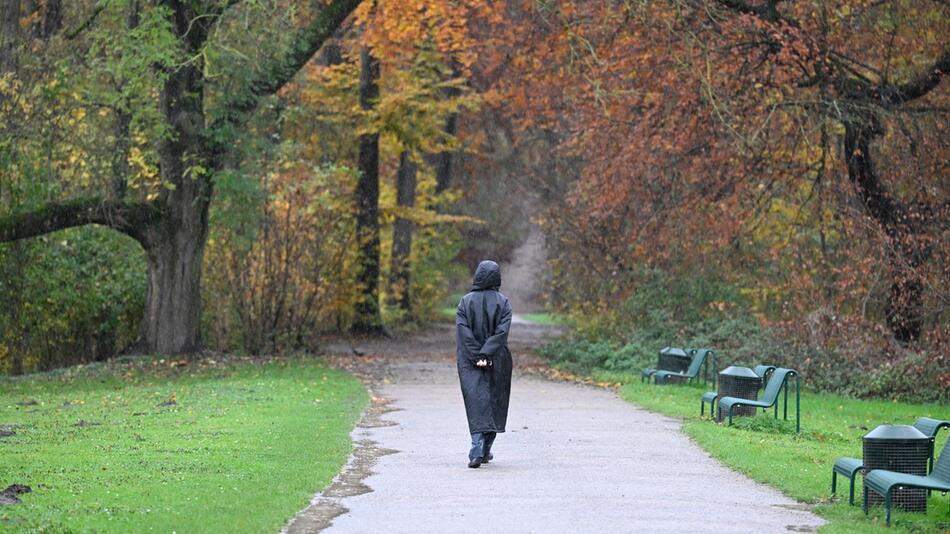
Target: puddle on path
x,y
801,528
327,505
800,507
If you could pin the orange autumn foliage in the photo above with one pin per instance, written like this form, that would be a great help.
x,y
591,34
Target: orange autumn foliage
x,y
798,149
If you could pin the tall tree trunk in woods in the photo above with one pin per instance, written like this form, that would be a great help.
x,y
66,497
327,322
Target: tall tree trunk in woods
x,y
49,17
9,34
123,122
904,254
368,319
399,272
443,160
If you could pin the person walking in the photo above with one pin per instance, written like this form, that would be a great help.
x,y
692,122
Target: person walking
x,y
482,321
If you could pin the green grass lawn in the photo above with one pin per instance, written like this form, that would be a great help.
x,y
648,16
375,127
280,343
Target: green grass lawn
x,y
800,465
153,445
543,318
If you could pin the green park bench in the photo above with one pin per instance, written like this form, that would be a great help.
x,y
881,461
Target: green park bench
x,y
777,382
647,374
763,371
851,467
702,360
882,481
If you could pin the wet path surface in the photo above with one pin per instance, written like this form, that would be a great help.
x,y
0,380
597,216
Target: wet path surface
x,y
575,459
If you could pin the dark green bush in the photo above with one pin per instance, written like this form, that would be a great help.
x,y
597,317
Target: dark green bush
x,y
701,312
916,378
70,297
578,356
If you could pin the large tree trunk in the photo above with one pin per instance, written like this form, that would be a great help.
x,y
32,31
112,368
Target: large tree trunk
x,y
904,253
173,302
400,268
368,319
175,245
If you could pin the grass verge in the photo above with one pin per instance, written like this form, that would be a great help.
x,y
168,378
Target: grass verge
x,y
543,318
547,319
165,445
769,451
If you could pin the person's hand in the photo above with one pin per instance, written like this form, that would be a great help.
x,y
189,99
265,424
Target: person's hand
x,y
481,363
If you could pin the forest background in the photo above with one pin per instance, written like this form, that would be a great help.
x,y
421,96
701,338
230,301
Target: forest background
x,y
768,178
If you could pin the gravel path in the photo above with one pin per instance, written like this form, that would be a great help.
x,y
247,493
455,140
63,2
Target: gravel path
x,y
575,459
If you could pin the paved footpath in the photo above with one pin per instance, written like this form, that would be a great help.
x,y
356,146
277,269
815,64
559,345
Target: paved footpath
x,y
575,459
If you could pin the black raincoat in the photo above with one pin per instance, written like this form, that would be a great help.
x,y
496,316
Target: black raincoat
x,y
482,322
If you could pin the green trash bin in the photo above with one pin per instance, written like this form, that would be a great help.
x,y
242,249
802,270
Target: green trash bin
x,y
673,359
740,382
903,449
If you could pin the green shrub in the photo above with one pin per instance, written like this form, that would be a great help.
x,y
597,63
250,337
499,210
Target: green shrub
x,y
916,378
70,297
578,356
707,313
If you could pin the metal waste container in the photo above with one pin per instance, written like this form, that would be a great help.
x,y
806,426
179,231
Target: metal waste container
x,y
673,359
740,382
903,449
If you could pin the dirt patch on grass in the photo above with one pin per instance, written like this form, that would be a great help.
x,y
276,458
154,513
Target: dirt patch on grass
x,y
83,424
11,495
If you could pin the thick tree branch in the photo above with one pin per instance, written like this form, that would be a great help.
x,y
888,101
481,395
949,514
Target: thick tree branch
x,y
923,83
237,106
130,218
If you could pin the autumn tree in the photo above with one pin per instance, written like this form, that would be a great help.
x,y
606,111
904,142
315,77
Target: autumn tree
x,y
187,113
413,58
693,125
876,70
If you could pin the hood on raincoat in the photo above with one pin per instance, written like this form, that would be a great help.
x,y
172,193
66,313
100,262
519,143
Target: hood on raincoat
x,y
487,276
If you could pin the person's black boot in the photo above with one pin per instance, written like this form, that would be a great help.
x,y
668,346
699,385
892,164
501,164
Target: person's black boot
x,y
476,455
486,451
